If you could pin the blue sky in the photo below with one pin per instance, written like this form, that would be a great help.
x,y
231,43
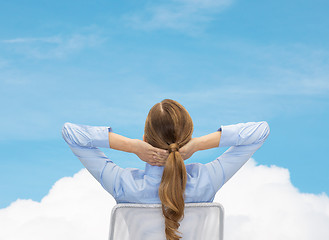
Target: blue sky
x,y
108,62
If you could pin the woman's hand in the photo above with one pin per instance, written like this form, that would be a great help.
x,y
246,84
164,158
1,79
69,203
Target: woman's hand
x,y
144,150
189,148
147,153
200,143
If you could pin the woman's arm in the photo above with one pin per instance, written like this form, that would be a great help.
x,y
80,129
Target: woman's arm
x,y
145,151
244,140
84,141
200,143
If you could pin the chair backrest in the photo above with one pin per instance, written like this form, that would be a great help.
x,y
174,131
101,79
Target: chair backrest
x,y
146,222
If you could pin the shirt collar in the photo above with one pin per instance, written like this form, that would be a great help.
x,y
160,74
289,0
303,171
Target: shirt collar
x,y
153,170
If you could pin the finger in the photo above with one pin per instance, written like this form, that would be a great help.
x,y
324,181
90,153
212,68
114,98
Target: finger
x,y
164,153
153,163
161,152
158,159
160,163
161,155
161,158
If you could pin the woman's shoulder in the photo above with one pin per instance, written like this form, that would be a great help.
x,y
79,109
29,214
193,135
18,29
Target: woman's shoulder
x,y
195,169
195,164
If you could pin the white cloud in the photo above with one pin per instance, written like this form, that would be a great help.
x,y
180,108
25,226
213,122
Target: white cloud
x,y
260,203
176,14
75,208
291,69
58,46
54,39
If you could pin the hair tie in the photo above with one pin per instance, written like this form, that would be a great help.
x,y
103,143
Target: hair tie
x,y
173,147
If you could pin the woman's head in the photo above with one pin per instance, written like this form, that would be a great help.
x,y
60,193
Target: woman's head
x,y
169,126
168,122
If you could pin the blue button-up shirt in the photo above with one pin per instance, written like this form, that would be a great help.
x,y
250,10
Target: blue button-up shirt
x,y
131,185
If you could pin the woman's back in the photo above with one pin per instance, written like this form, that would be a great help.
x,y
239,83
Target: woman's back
x,y
141,186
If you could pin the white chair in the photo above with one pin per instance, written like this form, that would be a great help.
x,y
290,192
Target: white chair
x,y
145,222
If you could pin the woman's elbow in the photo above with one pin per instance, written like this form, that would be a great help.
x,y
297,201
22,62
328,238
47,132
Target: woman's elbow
x,y
65,132
265,131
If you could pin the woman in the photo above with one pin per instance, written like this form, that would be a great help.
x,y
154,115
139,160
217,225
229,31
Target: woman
x,y
167,142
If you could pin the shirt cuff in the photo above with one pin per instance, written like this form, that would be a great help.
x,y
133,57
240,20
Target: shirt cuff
x,y
100,137
229,136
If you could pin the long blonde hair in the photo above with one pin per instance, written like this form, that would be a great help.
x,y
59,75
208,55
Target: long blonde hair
x,y
169,126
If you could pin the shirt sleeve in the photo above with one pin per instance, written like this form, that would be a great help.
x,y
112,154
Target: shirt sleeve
x,y
244,140
84,141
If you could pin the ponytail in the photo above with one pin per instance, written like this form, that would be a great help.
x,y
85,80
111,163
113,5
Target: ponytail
x,y
169,122
171,192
